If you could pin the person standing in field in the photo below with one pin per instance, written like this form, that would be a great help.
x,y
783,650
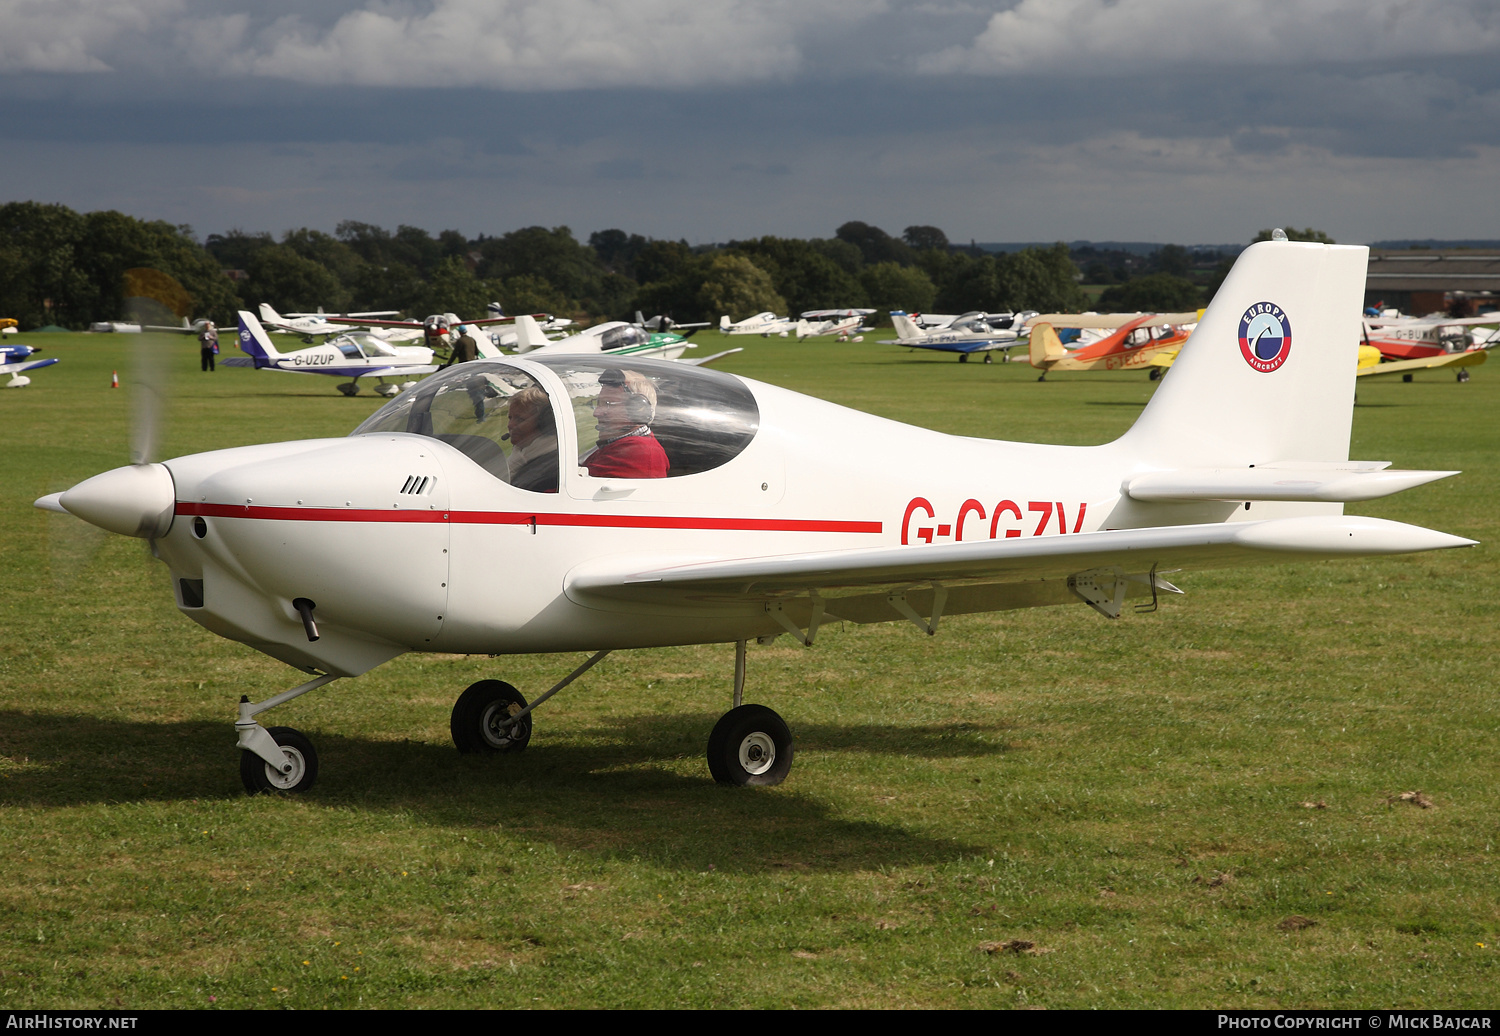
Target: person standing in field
x,y
208,345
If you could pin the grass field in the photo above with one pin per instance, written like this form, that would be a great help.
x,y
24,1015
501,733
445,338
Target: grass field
x,y
1194,808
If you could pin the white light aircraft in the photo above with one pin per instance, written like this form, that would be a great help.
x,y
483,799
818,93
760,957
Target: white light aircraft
x,y
763,324
351,356
777,512
839,323
612,338
317,325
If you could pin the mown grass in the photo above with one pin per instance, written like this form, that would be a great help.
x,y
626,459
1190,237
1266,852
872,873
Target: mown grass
x,y
1146,801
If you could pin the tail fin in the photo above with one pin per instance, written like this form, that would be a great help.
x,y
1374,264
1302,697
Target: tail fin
x,y
1268,375
1045,346
487,343
528,334
267,313
724,322
255,341
804,330
905,326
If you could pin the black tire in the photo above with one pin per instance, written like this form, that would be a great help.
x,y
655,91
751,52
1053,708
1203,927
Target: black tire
x,y
750,745
963,357
476,715
1463,376
259,778
988,358
1154,374
1406,377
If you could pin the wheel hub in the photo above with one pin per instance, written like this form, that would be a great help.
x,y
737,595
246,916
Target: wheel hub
x,y
757,753
288,780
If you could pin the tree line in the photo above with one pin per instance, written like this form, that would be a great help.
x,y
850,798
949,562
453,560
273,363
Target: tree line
x,y
61,267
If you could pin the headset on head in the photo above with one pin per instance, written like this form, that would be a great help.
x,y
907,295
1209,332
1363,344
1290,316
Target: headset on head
x,y
638,407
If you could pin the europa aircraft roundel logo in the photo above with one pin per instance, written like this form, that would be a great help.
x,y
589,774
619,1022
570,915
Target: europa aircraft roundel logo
x,y
1265,336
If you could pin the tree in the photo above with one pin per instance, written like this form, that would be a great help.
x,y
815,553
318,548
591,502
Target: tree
x,y
617,250
1173,259
891,286
1153,293
802,273
283,278
554,255
923,238
734,285
453,288
874,244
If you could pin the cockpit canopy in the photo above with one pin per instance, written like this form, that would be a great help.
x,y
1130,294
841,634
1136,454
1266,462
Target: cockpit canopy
x,y
623,337
504,419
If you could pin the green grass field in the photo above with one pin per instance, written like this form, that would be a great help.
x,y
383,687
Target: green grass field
x,y
1194,808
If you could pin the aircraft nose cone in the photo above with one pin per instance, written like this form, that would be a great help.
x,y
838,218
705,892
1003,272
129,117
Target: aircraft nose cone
x,y
133,501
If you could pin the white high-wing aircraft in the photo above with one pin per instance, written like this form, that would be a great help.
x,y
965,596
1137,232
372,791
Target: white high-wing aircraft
x,y
763,324
317,325
838,322
970,333
351,356
514,492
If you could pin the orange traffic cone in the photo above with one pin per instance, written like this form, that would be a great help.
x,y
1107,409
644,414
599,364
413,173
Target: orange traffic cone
x,y
114,379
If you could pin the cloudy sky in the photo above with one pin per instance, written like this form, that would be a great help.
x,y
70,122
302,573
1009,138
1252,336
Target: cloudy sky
x,y
998,120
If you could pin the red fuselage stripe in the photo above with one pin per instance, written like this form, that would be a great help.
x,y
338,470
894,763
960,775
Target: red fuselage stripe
x,y
608,521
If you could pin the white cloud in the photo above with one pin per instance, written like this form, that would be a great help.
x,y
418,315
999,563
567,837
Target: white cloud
x,y
1135,37
508,44
73,35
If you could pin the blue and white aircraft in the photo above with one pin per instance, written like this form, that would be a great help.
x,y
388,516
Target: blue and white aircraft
x,y
17,358
351,356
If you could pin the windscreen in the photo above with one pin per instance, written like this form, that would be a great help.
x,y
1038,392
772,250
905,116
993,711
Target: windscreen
x,y
497,416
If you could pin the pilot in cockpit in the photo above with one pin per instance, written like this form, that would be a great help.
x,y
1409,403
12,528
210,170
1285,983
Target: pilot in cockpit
x,y
623,413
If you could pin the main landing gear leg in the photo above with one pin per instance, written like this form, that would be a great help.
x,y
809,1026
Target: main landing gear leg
x,y
750,744
491,716
279,759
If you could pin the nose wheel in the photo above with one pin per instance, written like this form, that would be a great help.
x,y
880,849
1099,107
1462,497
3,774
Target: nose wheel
x,y
297,773
750,745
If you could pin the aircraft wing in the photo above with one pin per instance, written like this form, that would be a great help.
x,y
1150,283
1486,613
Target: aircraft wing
x,y
396,372
1113,320
859,584
710,359
26,365
1464,359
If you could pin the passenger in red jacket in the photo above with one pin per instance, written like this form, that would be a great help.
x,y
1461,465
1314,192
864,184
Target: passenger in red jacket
x,y
623,413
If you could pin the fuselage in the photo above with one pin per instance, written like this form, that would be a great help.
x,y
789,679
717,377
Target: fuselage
x,y
405,543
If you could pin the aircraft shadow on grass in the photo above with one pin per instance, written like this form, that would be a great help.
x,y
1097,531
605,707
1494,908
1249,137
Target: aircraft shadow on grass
x,y
596,792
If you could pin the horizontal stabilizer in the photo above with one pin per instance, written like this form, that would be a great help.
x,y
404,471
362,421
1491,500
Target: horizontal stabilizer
x,y
1282,482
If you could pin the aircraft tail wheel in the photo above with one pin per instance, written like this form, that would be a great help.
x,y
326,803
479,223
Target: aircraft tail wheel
x,y
349,388
478,714
258,776
750,745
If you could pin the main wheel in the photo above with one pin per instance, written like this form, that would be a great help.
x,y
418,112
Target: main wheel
x,y
1463,376
963,357
988,358
348,388
750,745
1154,374
258,776
477,716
